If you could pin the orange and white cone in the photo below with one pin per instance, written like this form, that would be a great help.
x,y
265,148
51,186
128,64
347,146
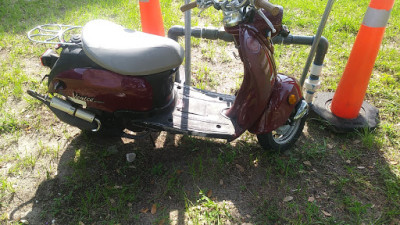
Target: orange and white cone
x,y
349,95
151,17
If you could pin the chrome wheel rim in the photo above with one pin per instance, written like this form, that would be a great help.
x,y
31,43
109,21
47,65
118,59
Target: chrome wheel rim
x,y
284,134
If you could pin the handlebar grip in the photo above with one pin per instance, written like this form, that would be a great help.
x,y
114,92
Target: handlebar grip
x,y
271,8
188,6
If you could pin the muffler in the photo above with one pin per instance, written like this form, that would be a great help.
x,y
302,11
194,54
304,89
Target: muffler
x,y
69,112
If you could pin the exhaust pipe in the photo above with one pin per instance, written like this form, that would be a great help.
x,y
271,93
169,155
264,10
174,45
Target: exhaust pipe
x,y
66,107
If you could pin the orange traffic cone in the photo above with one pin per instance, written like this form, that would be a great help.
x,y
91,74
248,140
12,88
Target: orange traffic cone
x,y
349,95
150,15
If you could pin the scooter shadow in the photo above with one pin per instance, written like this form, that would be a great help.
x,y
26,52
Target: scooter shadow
x,y
96,184
186,179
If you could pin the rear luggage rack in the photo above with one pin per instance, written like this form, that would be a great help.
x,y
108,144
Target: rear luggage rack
x,y
53,34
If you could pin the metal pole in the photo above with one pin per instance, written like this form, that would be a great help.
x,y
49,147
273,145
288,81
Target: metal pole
x,y
187,44
317,37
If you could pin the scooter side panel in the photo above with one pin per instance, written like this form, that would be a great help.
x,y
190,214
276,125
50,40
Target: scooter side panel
x,y
104,90
279,109
259,78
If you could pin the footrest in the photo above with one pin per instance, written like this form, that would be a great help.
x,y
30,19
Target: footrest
x,y
198,112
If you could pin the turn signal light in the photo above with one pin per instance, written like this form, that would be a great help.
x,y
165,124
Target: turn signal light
x,y
292,99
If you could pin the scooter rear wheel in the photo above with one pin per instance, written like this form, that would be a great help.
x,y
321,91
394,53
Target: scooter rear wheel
x,y
282,138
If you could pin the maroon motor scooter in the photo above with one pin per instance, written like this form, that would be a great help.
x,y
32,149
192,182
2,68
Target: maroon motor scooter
x,y
110,78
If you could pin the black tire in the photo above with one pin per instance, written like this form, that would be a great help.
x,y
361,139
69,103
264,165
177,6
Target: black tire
x,y
282,138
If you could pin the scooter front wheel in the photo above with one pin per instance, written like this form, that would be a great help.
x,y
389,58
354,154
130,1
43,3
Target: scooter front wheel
x,y
284,137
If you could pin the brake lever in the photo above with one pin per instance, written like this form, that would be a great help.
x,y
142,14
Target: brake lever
x,y
203,5
266,20
201,11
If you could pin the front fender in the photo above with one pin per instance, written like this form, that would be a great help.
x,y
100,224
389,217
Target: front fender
x,y
278,109
259,77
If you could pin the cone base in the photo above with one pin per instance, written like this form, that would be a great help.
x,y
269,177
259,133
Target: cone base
x,y
368,116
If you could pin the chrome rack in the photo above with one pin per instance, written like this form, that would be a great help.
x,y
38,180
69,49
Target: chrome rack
x,y
52,34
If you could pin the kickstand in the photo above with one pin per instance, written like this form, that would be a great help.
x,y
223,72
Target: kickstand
x,y
45,76
152,140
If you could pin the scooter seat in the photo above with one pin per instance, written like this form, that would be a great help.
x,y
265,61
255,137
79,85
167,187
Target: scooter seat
x,y
129,52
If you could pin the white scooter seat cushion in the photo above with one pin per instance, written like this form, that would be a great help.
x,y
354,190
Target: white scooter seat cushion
x,y
129,52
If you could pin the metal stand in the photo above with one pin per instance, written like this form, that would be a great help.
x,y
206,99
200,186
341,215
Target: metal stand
x,y
321,27
188,61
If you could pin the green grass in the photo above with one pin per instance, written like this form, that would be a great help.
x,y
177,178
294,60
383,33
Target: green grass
x,y
6,187
206,211
355,178
27,162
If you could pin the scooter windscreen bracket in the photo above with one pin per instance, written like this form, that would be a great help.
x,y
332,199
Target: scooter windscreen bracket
x,y
53,34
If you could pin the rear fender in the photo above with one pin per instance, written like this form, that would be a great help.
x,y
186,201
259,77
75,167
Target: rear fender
x,y
278,110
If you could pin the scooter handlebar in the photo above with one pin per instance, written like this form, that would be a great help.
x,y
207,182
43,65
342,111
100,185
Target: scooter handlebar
x,y
188,6
265,4
269,7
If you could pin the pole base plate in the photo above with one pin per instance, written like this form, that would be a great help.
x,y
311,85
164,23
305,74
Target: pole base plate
x,y
368,116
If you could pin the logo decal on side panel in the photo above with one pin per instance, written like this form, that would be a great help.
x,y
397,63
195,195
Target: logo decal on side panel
x,y
76,97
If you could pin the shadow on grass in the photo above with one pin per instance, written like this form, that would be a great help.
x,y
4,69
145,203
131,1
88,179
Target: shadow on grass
x,y
326,179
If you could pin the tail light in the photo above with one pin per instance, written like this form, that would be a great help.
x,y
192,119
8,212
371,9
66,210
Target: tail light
x,y
49,58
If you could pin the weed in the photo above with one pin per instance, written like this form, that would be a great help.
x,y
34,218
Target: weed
x,y
206,211
201,76
368,137
348,153
157,169
173,185
390,132
312,212
53,152
10,123
341,183
287,166
269,211
6,188
356,208
204,78
315,150
196,167
26,162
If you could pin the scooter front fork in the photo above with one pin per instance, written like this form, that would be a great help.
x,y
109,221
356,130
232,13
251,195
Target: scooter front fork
x,y
302,110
